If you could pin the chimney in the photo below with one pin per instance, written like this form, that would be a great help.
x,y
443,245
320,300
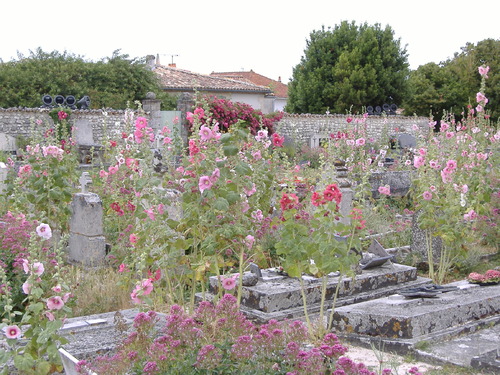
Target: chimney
x,y
172,65
279,79
157,59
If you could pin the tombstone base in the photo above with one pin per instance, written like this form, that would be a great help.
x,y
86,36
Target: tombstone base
x,y
88,251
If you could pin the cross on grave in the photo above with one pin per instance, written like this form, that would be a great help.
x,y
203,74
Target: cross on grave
x,y
84,180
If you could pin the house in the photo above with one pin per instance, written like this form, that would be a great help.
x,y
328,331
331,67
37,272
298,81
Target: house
x,y
279,89
176,81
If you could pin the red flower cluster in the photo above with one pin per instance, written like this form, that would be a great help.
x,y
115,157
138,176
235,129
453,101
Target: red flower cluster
x,y
277,140
288,201
331,193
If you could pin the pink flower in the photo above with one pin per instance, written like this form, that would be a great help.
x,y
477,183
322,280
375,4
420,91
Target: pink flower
x,y
257,215
228,283
122,268
433,164
26,287
57,288
199,112
13,332
277,140
451,165
62,115
418,161
261,135
167,140
113,169
422,151
50,316
360,142
385,190
26,265
66,297
150,213
141,122
249,240
470,216
103,174
481,98
133,238
479,108
146,287
55,303
250,192
38,268
427,195
444,127
190,117
205,133
134,297
215,175
204,183
257,155
483,70
44,231
349,119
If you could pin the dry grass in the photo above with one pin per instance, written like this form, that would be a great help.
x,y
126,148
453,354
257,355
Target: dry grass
x,y
97,290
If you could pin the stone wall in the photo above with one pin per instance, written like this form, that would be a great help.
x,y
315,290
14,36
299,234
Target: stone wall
x,y
302,128
18,121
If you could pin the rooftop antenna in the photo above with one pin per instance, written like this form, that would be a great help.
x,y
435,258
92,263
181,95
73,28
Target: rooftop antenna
x,y
171,56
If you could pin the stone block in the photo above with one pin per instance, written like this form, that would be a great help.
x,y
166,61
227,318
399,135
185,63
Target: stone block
x,y
397,317
84,133
88,251
87,214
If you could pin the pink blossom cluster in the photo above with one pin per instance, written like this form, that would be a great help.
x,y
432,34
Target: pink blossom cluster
x,y
53,151
142,130
490,276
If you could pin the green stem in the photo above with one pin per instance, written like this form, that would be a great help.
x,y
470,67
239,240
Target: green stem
x,y
240,277
330,320
430,255
304,302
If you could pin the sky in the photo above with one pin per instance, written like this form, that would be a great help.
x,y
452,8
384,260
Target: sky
x,y
204,36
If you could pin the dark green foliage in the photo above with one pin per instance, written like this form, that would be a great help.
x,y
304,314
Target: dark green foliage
x,y
348,68
452,85
110,83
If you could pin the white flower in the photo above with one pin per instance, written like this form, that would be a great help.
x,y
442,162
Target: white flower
x,y
44,231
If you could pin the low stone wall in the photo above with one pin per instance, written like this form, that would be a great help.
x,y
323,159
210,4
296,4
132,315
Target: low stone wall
x,y
304,129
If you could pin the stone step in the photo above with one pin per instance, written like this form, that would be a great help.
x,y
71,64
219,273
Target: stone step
x,y
276,296
397,317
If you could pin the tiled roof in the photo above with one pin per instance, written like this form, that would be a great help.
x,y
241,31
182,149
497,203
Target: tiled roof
x,y
178,79
279,89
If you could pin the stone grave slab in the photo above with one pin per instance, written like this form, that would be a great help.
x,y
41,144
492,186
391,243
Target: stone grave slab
x,y
277,296
397,317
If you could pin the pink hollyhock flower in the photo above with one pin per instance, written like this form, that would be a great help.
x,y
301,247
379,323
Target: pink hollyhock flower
x,y
450,135
228,283
249,240
481,98
257,155
317,199
332,193
360,142
146,286
418,161
261,135
427,195
131,162
141,122
138,135
433,164
215,175
113,169
26,287
432,124
26,266
134,297
350,142
150,213
432,188
175,120
257,215
204,183
57,288
62,115
122,268
250,192
205,133
50,316
483,70
44,231
385,190
190,117
55,303
349,119
133,238
479,108
66,297
444,127
451,165
38,268
470,216
103,174
167,140
13,332
422,151
24,170
277,140
199,112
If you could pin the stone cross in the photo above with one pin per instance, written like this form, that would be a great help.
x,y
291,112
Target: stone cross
x,y
84,180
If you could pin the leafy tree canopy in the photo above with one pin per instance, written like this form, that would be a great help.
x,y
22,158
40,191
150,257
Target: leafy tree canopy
x,y
113,82
452,85
347,68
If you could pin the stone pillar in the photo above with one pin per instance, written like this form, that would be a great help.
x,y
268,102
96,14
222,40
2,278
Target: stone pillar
x,y
153,107
185,104
419,240
87,243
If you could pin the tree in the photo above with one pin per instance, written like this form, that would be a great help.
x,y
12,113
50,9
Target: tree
x,y
452,85
348,68
110,83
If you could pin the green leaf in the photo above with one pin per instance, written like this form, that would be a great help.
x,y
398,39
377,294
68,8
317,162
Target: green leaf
x,y
221,204
230,150
243,169
226,138
43,368
232,197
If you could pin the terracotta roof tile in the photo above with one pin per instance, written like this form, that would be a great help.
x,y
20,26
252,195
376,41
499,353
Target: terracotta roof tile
x,y
178,79
279,89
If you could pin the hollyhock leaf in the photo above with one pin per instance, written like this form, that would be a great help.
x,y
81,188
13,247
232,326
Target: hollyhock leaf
x,y
293,271
225,138
230,150
221,204
232,197
243,169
